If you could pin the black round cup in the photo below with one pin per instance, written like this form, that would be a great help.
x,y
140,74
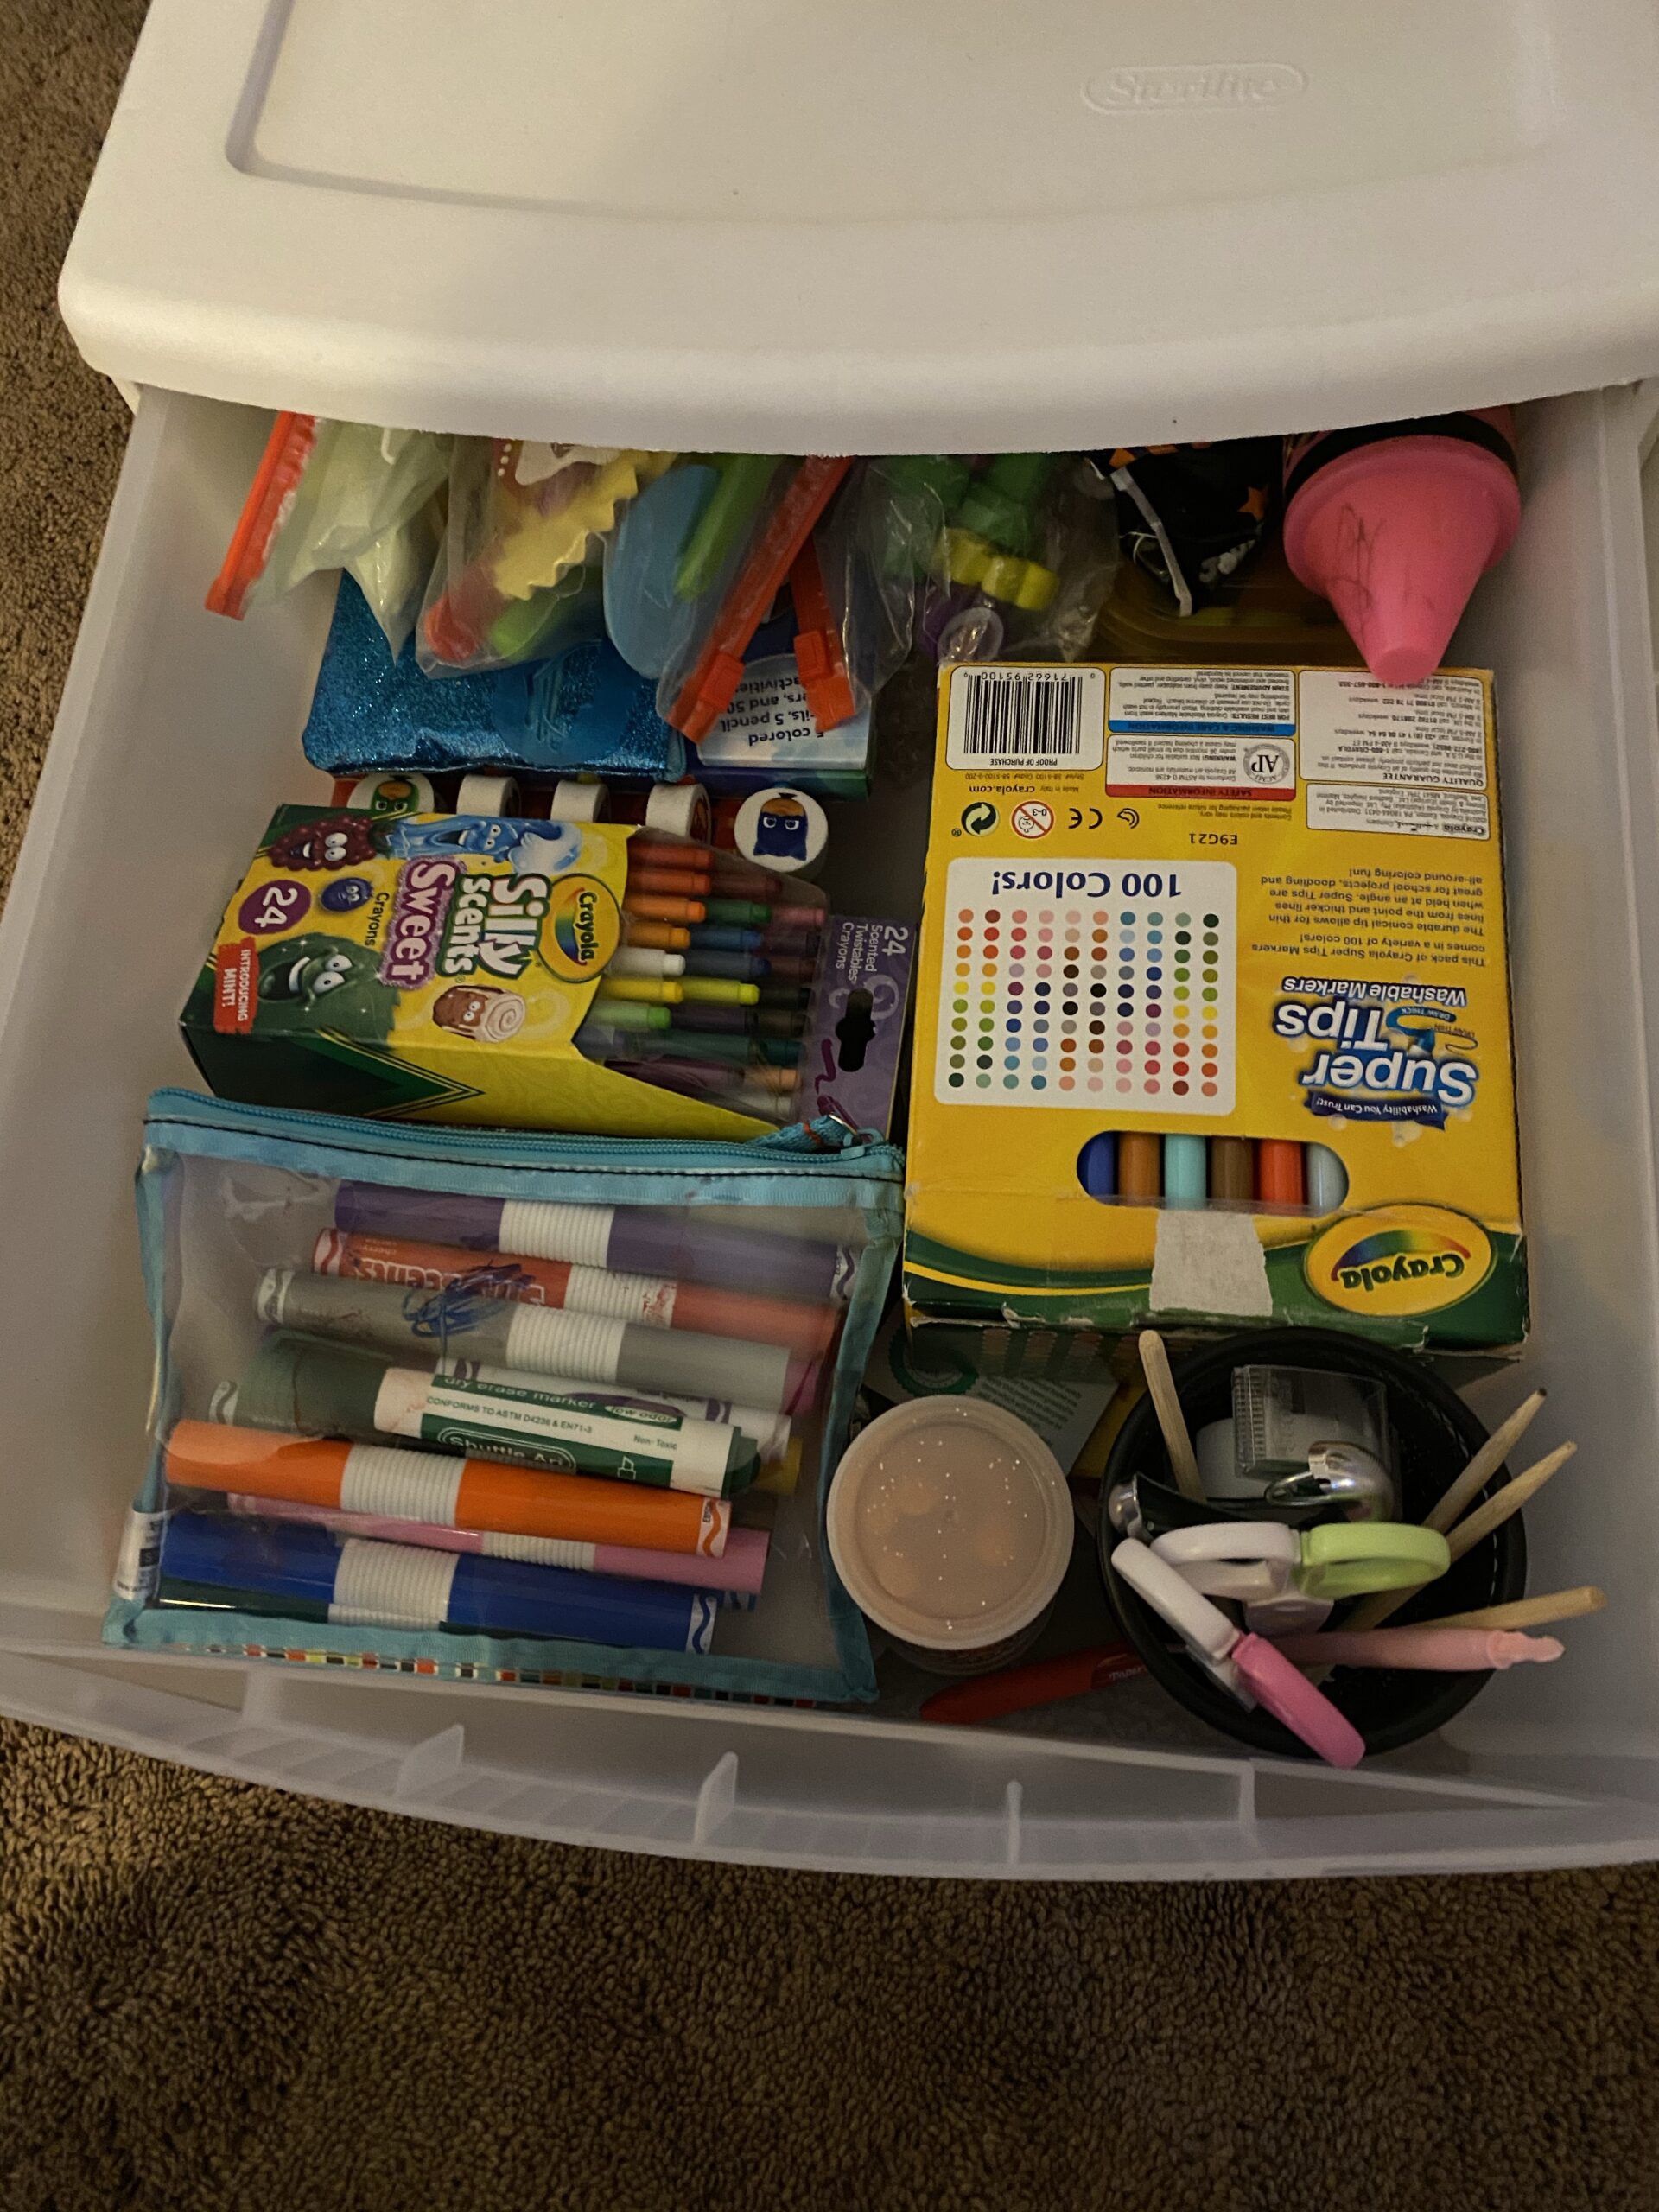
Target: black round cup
x,y
1436,1436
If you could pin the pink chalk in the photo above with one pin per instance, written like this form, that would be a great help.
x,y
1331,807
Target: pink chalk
x,y
1396,524
1451,1650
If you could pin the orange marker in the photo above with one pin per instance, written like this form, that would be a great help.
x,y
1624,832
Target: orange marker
x,y
445,1492
1140,1165
1279,1172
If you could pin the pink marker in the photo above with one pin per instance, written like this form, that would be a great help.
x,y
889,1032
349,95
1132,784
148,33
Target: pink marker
x,y
740,1568
1254,1670
1395,524
1448,1651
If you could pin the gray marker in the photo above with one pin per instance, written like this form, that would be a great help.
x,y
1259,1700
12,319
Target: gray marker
x,y
450,1322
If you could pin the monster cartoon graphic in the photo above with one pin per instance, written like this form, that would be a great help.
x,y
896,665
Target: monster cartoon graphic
x,y
780,832
317,981
534,847
331,841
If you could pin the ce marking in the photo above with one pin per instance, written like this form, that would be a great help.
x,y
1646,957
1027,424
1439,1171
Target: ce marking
x,y
1090,816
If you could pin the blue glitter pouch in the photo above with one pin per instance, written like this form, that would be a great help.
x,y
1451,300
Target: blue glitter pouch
x,y
583,709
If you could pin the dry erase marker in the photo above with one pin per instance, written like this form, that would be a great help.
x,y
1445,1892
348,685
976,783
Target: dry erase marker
x,y
409,1586
654,1301
1140,1165
633,1240
533,1339
1186,1174
1279,1172
450,1492
306,1382
735,1576
1328,1178
1232,1169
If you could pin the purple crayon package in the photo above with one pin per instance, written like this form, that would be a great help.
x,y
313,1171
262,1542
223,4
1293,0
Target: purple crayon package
x,y
850,1066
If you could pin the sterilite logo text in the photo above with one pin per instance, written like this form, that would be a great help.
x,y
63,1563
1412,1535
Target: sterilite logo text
x,y
1159,88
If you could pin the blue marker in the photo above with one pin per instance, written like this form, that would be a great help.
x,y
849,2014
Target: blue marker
x,y
1098,1166
1328,1178
1186,1173
406,1586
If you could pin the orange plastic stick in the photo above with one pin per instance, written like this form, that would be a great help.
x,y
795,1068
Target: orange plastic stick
x,y
708,690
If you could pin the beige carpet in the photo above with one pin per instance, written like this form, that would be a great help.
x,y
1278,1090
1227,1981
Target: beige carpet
x,y
214,1997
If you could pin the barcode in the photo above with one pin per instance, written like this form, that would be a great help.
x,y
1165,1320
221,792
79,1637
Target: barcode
x,y
1022,714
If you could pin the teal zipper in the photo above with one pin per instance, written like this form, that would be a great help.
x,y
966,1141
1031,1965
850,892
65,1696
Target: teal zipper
x,y
825,1145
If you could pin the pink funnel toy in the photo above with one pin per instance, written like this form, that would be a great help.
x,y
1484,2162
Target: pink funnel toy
x,y
1396,526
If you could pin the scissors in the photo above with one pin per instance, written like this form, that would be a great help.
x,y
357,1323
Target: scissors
x,y
1253,1670
1257,1561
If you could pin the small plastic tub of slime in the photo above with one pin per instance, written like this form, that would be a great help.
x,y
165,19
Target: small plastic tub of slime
x,y
950,1523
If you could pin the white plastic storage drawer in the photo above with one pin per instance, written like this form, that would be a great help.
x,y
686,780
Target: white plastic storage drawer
x,y
179,730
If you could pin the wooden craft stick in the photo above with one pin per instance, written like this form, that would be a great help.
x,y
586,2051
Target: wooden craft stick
x,y
1485,1463
1513,1496
1183,1461
1530,1612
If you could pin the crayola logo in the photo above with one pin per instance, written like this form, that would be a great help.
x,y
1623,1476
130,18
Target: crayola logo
x,y
1399,1260
583,927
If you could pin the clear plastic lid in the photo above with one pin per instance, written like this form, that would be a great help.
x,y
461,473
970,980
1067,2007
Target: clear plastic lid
x,y
950,1523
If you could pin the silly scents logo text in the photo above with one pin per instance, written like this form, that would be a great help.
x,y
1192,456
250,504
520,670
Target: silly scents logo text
x,y
1399,1057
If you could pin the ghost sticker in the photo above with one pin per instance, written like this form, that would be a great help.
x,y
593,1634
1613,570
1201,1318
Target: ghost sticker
x,y
780,829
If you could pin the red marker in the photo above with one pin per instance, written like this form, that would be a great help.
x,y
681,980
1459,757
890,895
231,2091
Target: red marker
x,y
1020,1689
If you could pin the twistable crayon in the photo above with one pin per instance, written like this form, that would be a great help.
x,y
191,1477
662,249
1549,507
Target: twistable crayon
x,y
409,1586
643,960
533,1340
631,1240
643,990
654,1301
449,1492
660,936
643,906
738,1572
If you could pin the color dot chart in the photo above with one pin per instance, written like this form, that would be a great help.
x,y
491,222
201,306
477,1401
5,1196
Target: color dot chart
x,y
1074,983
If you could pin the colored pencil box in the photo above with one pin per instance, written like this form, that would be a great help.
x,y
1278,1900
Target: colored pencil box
x,y
242,1210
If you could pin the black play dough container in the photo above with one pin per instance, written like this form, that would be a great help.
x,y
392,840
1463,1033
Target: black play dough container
x,y
1435,1437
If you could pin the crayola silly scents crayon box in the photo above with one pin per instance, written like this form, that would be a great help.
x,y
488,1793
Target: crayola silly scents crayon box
x,y
428,968
1213,1020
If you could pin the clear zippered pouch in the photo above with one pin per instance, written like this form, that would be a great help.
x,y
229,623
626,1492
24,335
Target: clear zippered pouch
x,y
547,1409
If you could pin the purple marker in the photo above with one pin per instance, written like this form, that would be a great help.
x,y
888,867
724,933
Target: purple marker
x,y
631,1240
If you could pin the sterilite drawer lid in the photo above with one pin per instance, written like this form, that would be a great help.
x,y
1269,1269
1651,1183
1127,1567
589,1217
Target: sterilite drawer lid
x,y
877,225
